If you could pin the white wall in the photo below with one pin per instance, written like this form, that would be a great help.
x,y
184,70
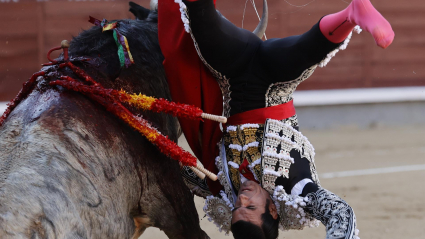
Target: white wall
x,y
318,109
2,107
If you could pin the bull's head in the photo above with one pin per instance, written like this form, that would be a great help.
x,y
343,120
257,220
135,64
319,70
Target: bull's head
x,y
262,26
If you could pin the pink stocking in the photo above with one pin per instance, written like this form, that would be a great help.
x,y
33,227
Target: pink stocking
x,y
336,27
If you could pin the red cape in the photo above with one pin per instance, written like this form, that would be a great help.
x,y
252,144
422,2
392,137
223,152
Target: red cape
x,y
191,83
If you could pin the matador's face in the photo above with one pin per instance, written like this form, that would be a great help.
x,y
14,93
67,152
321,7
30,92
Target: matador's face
x,y
251,203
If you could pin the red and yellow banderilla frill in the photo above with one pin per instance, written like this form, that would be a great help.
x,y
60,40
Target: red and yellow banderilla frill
x,y
111,99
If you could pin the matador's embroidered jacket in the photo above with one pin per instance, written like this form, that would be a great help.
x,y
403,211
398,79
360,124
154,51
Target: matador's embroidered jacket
x,y
261,141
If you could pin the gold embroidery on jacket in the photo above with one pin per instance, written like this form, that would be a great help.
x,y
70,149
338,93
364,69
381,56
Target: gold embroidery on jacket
x,y
243,144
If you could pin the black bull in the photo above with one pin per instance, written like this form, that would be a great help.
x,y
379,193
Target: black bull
x,y
70,169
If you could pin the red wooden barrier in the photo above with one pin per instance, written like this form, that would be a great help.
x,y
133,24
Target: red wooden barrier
x,y
29,28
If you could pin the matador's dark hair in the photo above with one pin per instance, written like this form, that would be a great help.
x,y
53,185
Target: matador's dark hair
x,y
268,230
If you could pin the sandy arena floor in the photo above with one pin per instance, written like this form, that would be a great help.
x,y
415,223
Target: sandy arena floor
x,y
387,205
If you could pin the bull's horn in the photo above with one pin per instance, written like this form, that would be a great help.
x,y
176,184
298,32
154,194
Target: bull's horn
x,y
154,5
262,26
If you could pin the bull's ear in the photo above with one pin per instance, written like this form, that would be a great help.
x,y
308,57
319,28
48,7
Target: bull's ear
x,y
138,11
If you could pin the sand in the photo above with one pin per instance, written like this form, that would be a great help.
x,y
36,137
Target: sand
x,y
387,206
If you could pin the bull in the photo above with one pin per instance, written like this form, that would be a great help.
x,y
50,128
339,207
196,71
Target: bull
x,y
71,169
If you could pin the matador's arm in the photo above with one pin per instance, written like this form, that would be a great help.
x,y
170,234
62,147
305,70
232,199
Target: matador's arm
x,y
335,213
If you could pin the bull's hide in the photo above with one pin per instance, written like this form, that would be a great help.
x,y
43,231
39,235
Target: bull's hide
x,y
70,169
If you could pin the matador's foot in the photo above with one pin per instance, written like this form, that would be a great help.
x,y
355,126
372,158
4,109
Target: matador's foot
x,y
363,13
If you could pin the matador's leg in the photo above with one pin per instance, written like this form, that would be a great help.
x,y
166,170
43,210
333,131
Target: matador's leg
x,y
336,27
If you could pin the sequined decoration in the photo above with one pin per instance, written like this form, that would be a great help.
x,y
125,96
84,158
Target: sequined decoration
x,y
279,140
243,142
337,216
291,211
219,211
